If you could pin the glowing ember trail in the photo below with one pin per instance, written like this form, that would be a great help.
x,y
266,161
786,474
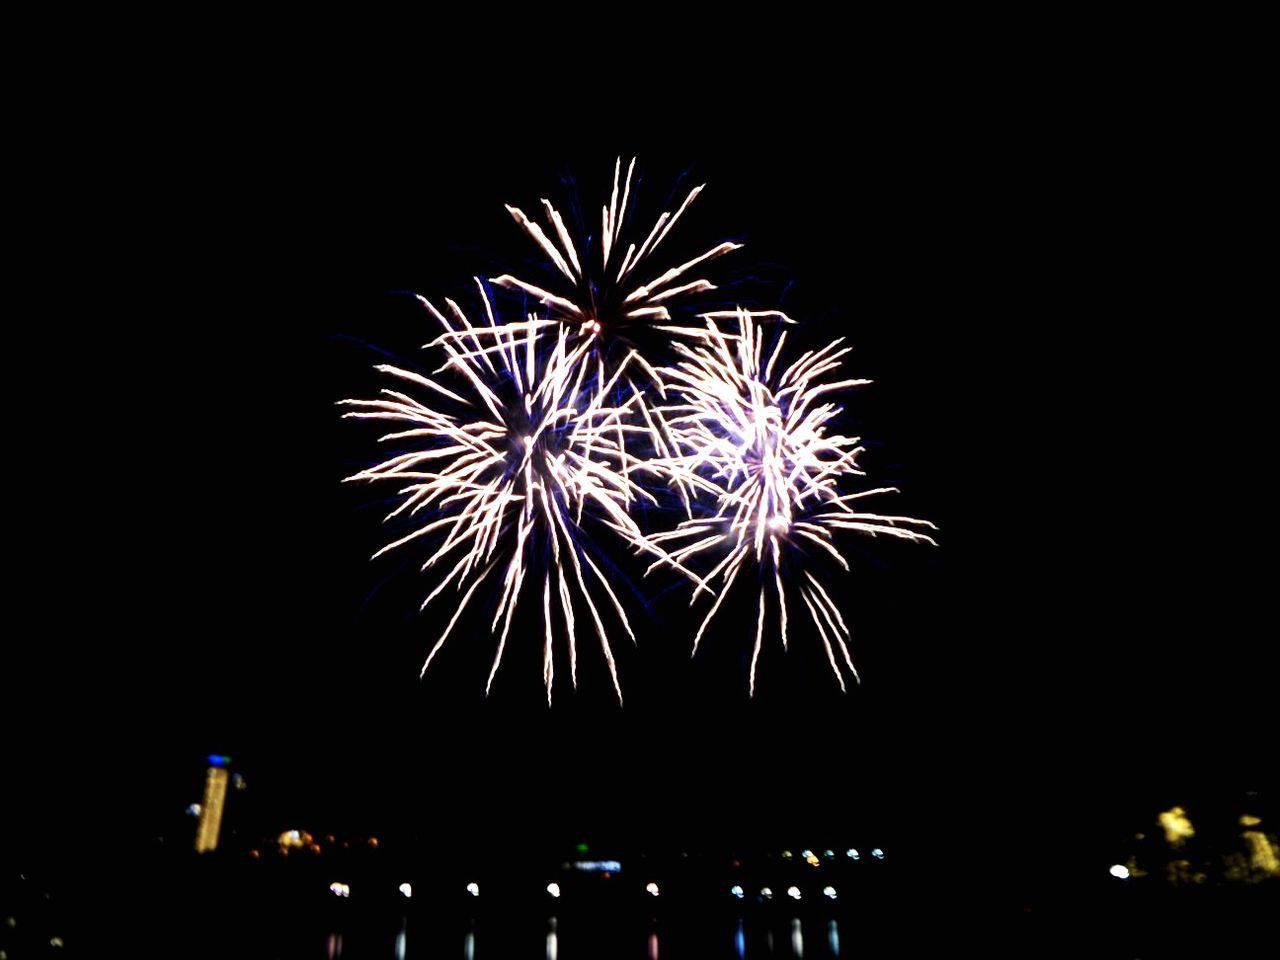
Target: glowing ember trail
x,y
501,482
758,444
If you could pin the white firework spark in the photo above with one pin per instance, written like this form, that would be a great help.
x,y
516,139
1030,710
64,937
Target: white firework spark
x,y
760,446
509,474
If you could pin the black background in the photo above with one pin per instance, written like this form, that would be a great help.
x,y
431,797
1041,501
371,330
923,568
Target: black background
x,y
1020,272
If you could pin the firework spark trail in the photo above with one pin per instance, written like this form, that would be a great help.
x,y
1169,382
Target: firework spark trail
x,y
511,472
759,445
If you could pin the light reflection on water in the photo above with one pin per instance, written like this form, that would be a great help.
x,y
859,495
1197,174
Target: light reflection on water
x,y
741,939
797,939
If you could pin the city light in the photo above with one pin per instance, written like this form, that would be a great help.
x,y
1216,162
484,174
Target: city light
x,y
737,891
793,893
406,890
215,794
1177,826
829,892
473,889
878,853
853,854
1119,871
766,892
1264,854
554,889
340,889
651,889
598,866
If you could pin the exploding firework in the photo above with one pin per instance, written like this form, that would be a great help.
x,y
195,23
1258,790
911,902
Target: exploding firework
x,y
760,447
542,422
502,475
604,293
611,294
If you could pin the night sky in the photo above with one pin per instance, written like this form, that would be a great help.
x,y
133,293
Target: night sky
x,y
1011,275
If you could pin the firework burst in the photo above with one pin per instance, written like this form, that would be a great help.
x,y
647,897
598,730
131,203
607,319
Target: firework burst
x,y
501,480
603,293
760,446
610,295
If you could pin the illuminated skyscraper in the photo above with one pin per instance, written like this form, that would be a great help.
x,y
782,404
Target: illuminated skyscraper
x,y
215,795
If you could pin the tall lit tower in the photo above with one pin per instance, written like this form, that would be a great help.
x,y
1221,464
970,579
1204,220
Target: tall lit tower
x,y
215,795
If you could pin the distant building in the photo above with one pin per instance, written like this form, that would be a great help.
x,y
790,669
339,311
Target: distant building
x,y
215,795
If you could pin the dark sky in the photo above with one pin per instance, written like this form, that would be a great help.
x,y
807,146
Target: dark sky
x,y
1010,273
